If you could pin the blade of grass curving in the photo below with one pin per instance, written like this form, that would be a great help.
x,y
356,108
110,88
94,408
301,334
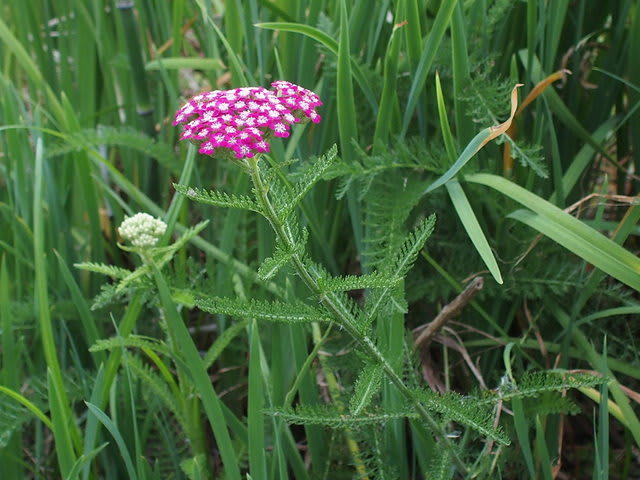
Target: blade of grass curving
x,y
28,405
458,197
326,40
522,432
567,230
13,45
432,44
255,417
117,436
201,380
476,144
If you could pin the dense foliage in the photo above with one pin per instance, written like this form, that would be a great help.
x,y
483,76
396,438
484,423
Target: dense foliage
x,y
438,280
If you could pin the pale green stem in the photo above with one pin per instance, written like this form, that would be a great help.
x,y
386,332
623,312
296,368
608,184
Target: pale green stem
x,y
341,314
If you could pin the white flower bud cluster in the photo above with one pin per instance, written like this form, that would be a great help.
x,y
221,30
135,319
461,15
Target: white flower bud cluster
x,y
142,230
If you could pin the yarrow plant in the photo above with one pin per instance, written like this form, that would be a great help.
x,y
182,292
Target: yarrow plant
x,y
241,121
142,230
237,125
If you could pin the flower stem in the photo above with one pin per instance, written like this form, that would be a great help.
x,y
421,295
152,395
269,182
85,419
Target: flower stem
x,y
340,312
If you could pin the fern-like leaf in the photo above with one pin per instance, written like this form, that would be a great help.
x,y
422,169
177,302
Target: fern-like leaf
x,y
308,177
368,384
218,199
281,256
132,341
440,467
408,252
528,156
535,383
463,410
108,270
262,310
356,282
330,416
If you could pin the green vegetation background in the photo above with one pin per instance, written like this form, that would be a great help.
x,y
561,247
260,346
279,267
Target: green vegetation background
x,y
87,95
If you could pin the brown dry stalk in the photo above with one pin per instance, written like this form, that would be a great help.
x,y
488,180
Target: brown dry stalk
x,y
426,332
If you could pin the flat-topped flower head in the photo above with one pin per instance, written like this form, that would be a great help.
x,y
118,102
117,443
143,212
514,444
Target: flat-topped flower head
x,y
142,230
241,121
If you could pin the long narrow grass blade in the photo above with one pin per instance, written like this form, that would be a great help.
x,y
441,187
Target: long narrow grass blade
x,y
428,54
255,417
568,231
201,380
471,225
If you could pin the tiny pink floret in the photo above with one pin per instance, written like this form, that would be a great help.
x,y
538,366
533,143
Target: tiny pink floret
x,y
243,119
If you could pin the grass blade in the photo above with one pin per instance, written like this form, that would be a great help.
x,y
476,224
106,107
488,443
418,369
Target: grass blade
x,y
568,231
255,417
428,54
201,380
115,433
471,225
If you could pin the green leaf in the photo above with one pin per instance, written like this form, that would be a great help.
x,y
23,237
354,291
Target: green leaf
x,y
568,231
368,384
195,468
357,282
312,173
262,310
83,460
108,270
464,410
271,265
409,250
218,199
472,227
434,38
117,436
332,417
255,418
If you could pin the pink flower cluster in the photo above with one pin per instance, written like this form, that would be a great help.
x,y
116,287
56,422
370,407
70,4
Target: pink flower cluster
x,y
243,119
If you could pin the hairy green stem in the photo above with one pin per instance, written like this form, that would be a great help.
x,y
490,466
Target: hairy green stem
x,y
340,313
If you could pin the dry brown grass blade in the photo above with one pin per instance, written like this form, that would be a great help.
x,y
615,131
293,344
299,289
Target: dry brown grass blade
x,y
507,160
